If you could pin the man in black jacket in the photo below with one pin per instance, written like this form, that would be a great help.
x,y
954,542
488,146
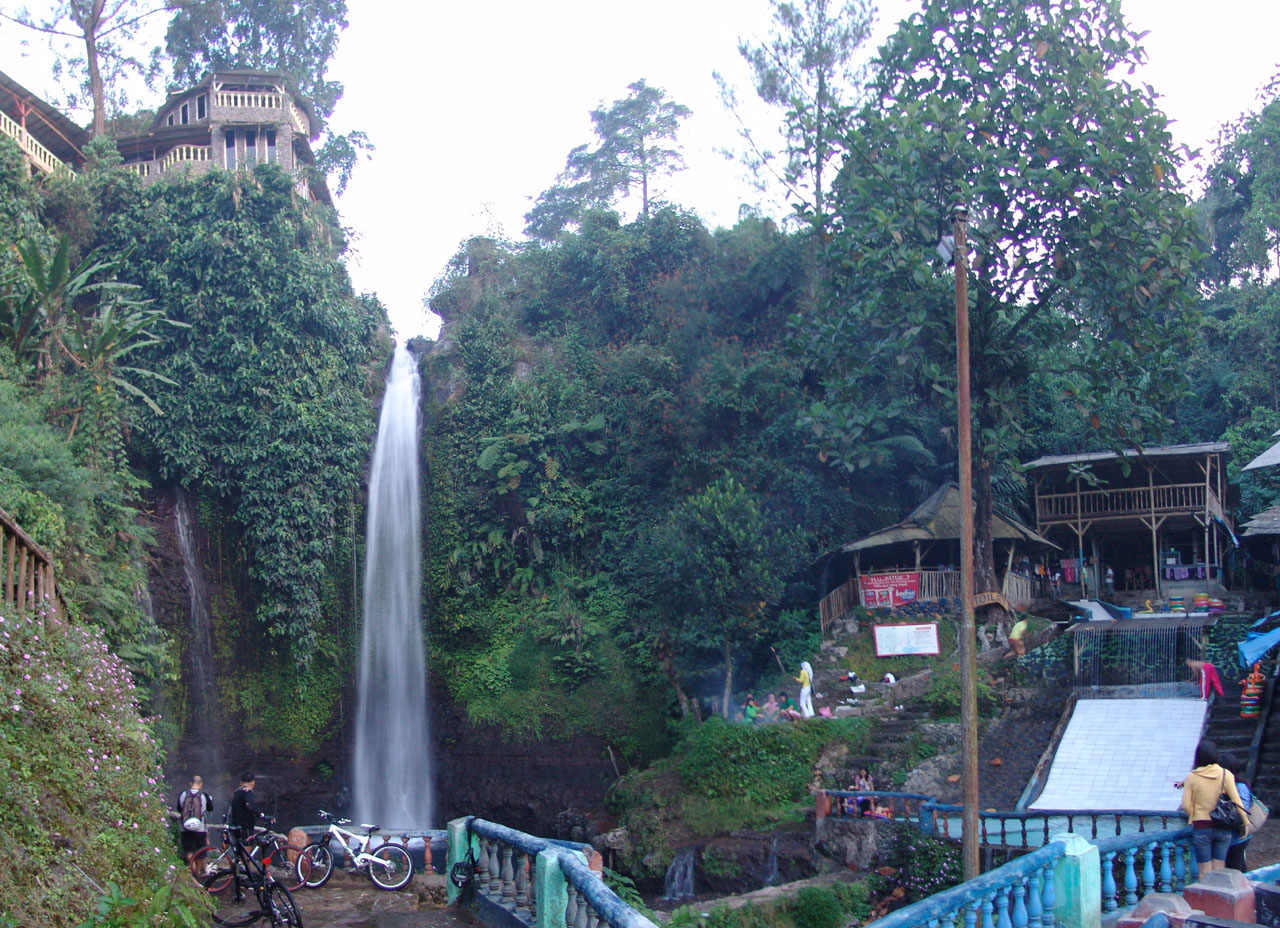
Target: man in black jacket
x,y
245,813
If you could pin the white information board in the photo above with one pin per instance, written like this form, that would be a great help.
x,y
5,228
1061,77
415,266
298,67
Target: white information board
x,y
901,640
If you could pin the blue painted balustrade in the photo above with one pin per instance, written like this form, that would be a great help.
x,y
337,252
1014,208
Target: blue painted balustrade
x,y
523,880
1136,864
1067,883
1018,829
1021,894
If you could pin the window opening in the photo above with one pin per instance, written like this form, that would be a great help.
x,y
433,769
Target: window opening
x,y
231,150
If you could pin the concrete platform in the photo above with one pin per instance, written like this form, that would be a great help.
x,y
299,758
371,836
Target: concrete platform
x,y
1123,754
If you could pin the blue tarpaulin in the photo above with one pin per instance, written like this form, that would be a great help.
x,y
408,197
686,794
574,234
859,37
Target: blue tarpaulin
x,y
1257,644
1265,619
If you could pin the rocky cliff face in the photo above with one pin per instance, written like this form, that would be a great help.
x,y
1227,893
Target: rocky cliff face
x,y
551,788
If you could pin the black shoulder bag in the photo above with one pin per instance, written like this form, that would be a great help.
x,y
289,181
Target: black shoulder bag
x,y
1225,814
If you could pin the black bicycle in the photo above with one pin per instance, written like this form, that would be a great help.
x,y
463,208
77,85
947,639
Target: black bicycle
x,y
251,894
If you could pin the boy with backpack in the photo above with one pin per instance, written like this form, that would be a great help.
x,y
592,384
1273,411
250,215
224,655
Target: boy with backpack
x,y
193,806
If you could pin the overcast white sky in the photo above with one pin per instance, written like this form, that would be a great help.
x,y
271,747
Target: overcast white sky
x,y
473,107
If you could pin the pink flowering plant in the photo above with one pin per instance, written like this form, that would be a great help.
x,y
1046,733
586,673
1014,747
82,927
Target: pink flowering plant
x,y
81,804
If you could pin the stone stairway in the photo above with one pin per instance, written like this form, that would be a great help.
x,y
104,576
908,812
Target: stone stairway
x,y
1228,731
1267,780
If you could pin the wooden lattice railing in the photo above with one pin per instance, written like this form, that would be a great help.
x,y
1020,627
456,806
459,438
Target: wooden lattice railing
x,y
26,572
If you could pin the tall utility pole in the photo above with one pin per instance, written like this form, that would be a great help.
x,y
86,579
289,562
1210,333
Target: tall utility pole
x,y
968,630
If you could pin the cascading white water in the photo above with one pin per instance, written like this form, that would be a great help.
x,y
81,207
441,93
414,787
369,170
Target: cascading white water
x,y
393,778
203,733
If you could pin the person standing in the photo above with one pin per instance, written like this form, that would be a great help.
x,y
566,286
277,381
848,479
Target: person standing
x,y
1110,581
1056,583
245,814
1239,843
193,806
806,689
1200,791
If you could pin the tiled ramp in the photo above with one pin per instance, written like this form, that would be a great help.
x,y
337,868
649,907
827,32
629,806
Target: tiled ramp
x,y
1124,754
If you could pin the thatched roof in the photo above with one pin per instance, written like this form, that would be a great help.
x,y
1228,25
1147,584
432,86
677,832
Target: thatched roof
x,y
938,518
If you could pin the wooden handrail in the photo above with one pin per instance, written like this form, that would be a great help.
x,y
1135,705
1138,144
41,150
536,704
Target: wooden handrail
x,y
26,567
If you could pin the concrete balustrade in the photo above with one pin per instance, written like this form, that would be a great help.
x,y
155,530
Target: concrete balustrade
x,y
520,879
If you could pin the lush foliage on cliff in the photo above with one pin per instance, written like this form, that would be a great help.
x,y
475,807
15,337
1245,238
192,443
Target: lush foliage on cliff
x,y
200,333
616,397
81,795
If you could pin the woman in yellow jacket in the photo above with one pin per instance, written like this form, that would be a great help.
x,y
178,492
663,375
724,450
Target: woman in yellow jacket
x,y
1200,792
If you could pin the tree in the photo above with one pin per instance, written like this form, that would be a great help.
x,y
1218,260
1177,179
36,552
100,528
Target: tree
x,y
1241,215
807,70
726,564
295,37
630,153
106,28
1083,248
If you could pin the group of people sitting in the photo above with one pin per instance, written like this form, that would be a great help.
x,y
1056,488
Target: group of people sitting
x,y
864,806
771,710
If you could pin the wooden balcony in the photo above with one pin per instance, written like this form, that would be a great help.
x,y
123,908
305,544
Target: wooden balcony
x,y
43,159
1127,503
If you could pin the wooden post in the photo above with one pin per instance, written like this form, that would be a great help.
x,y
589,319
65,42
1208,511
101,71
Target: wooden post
x,y
1208,571
1155,538
968,630
9,562
1080,539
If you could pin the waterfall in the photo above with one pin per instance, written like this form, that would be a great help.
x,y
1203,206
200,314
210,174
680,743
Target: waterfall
x,y
771,875
202,727
679,880
393,779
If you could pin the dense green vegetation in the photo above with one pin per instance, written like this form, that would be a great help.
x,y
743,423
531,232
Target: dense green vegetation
x,y
617,495
641,436
81,792
232,360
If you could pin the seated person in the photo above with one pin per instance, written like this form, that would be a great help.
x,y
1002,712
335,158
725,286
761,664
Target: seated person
x,y
879,812
788,708
749,708
864,782
769,711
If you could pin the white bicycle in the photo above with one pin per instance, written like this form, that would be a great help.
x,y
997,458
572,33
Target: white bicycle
x,y
389,866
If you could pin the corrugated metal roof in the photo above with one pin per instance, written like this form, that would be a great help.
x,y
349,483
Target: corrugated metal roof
x,y
48,125
1266,522
1268,458
1208,447
939,517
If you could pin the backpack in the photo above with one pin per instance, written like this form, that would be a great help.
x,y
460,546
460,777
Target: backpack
x,y
192,808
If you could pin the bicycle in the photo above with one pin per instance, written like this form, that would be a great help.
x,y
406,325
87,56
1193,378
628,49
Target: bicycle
x,y
389,867
271,900
282,860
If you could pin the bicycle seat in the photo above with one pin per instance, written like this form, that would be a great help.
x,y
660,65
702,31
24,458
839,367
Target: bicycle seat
x,y
370,828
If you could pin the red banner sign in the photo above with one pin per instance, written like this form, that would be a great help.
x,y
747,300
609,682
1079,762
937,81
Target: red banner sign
x,y
889,589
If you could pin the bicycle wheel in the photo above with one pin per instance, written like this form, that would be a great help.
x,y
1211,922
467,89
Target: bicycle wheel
x,y
283,865
213,868
393,868
235,909
279,907
320,864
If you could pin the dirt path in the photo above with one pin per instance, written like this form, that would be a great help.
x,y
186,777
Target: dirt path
x,y
351,901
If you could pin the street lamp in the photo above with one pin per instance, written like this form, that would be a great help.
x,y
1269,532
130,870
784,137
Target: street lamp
x,y
953,247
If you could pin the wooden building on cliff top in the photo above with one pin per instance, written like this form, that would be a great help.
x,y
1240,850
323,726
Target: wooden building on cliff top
x,y
1160,518
918,560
